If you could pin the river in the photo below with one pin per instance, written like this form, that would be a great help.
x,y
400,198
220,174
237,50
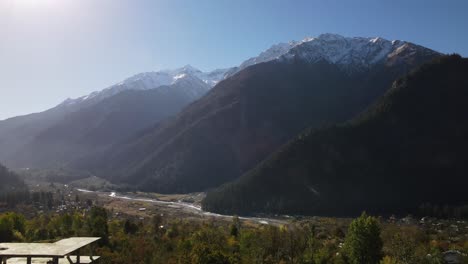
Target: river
x,y
187,206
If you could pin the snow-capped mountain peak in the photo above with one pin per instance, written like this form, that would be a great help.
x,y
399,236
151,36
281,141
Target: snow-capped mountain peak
x,y
211,78
357,52
352,53
152,80
347,52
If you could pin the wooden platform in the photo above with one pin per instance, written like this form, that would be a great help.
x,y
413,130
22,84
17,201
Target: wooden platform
x,y
83,260
63,251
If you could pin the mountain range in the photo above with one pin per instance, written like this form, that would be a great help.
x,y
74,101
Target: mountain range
x,y
255,110
405,151
150,80
185,130
84,125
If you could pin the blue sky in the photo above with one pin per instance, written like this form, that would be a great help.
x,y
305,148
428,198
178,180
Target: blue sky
x,y
54,49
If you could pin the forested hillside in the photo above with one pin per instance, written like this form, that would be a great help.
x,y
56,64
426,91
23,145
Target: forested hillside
x,y
12,188
408,149
9,180
246,117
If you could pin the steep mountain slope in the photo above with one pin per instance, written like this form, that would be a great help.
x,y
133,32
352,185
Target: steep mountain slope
x,y
151,80
16,132
274,52
408,149
99,125
10,181
250,114
80,126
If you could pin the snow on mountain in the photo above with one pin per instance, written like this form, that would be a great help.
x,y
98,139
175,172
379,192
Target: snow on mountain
x,y
270,54
341,50
335,49
210,78
274,52
355,52
191,77
190,84
213,77
351,52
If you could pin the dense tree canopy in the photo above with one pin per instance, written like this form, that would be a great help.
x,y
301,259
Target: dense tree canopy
x,y
407,150
363,244
12,188
163,240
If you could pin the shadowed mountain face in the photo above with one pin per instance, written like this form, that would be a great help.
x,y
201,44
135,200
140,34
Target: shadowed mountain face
x,y
128,132
408,149
18,131
83,132
57,136
10,182
248,116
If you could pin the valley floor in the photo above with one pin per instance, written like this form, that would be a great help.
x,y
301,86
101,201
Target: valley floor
x,y
144,205
174,229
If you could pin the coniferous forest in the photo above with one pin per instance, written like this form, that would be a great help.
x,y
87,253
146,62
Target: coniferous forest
x,y
405,152
233,132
